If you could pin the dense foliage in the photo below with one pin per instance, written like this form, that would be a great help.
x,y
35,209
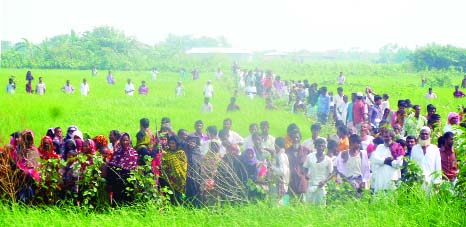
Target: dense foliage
x,y
109,48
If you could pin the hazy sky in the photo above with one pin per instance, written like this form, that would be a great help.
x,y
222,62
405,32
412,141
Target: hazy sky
x,y
254,24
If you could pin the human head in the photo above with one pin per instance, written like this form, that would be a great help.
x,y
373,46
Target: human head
x,y
320,145
84,81
144,123
315,130
385,97
448,137
198,126
67,82
280,142
424,134
232,100
332,147
431,109
212,131
410,142
265,127
430,90
173,143
457,88
166,122
342,131
253,128
378,99
129,81
417,110
114,136
453,118
354,142
401,106
125,141
227,123
182,134
388,136
340,90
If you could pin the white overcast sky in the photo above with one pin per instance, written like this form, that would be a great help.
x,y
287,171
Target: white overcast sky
x,y
315,25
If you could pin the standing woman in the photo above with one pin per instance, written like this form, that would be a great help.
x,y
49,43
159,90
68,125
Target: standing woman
x,y
28,161
124,160
174,169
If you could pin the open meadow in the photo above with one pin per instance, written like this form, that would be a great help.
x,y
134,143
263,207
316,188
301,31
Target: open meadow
x,y
107,108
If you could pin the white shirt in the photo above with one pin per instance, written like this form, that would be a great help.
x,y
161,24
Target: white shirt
x,y
282,168
179,91
84,88
129,89
40,88
317,172
431,96
208,91
429,163
68,89
341,79
383,175
384,105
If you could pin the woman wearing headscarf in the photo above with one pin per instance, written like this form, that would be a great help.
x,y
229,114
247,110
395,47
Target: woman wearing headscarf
x,y
101,144
174,169
27,160
46,149
453,119
124,160
70,173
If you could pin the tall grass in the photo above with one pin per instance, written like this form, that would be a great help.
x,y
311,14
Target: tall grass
x,y
394,209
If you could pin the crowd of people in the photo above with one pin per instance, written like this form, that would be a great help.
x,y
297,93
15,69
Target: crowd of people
x,y
370,149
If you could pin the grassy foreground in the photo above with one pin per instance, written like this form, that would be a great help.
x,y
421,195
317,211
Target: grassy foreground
x,y
412,209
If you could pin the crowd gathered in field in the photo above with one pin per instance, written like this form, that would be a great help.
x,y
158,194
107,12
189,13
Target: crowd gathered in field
x,y
371,149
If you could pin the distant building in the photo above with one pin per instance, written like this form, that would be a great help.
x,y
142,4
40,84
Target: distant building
x,y
236,53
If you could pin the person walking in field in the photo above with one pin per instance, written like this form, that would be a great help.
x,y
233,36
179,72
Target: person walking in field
x,y
430,94
84,88
208,90
110,78
179,90
40,87
94,71
11,86
67,88
129,88
458,93
143,89
29,77
341,79
207,106
154,72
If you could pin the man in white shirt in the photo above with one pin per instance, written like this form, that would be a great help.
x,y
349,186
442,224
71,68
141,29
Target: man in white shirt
x,y
209,90
234,137
427,156
430,94
40,87
341,79
84,88
68,88
207,106
129,88
385,168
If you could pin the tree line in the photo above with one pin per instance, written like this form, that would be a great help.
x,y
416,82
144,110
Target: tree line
x,y
108,48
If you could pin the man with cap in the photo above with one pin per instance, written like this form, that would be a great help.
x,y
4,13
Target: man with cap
x,y
427,156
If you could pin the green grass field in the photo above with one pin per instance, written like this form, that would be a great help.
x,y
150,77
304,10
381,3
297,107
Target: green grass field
x,y
107,108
